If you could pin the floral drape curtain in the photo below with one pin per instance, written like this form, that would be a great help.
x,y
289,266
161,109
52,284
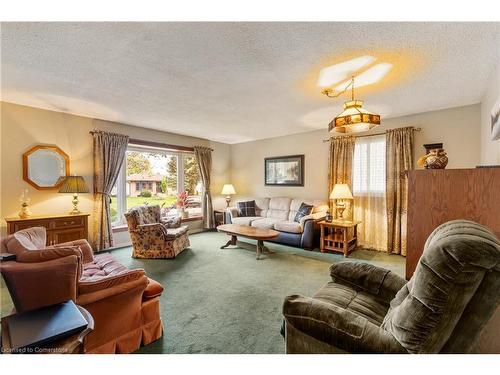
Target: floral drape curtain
x,y
340,167
109,152
203,157
399,159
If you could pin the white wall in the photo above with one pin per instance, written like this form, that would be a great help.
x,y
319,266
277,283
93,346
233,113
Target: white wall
x,y
457,128
23,127
490,150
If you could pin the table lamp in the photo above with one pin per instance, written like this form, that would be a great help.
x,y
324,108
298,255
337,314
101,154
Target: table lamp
x,y
228,190
339,193
75,185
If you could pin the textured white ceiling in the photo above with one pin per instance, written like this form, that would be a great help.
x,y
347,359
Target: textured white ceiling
x,y
236,82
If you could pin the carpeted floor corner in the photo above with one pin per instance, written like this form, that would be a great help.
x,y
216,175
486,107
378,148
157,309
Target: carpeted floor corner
x,y
226,301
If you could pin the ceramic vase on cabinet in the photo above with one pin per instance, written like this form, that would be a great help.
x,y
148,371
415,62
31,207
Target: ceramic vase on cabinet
x,y
436,159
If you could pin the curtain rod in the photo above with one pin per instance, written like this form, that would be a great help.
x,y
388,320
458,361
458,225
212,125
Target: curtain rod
x,y
141,142
372,135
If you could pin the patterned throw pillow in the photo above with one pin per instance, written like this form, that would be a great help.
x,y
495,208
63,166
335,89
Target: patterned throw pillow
x,y
304,210
246,209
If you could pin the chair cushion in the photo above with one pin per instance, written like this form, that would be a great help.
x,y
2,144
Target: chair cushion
x,y
304,210
244,220
261,206
359,302
246,209
154,289
102,266
177,232
288,226
264,222
171,222
279,208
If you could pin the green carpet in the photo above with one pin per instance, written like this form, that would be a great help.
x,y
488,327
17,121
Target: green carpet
x,y
226,301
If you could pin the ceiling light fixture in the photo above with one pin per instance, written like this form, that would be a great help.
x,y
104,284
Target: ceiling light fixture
x,y
354,118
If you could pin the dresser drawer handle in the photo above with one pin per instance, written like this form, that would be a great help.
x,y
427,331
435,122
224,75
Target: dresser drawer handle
x,y
69,223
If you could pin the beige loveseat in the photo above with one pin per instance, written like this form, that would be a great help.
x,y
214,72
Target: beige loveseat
x,y
279,213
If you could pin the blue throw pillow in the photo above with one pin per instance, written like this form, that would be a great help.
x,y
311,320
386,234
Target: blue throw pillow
x,y
304,210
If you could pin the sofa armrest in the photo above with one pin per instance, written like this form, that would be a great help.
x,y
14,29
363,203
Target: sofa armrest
x,y
316,217
36,285
89,298
171,222
337,327
86,249
109,281
374,280
232,211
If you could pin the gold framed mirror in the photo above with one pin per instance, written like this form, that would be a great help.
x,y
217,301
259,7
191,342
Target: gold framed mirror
x,y
43,167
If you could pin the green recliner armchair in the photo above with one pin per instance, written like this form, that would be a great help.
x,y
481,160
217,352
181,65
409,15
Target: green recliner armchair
x,y
444,307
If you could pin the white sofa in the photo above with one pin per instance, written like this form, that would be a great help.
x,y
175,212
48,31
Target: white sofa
x,y
279,213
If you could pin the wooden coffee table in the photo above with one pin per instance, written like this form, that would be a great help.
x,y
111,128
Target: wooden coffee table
x,y
259,234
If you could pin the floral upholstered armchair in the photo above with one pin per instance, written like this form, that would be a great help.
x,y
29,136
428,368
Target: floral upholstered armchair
x,y
154,237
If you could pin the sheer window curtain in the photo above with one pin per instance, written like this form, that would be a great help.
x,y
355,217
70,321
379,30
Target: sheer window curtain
x,y
369,190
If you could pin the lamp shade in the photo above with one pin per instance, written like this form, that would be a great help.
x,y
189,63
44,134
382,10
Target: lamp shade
x,y
74,184
341,191
354,119
228,189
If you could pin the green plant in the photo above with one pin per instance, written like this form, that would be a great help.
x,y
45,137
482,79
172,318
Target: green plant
x,y
145,194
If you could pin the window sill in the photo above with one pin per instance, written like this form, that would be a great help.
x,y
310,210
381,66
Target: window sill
x,y
124,228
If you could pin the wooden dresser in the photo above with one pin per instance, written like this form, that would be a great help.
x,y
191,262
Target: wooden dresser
x,y
60,228
438,196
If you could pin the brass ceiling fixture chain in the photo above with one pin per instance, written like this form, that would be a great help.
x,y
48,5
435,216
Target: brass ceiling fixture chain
x,y
330,92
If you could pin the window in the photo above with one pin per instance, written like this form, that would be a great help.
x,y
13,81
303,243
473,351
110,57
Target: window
x,y
369,192
155,176
369,165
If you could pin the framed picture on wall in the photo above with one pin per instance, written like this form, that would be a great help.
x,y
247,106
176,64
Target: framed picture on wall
x,y
284,170
495,121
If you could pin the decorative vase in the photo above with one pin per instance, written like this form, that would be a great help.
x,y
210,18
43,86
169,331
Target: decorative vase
x,y
182,211
436,159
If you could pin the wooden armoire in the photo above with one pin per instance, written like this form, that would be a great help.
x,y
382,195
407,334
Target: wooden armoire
x,y
436,196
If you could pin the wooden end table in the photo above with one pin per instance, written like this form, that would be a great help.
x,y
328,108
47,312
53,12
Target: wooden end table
x,y
259,234
219,217
69,345
339,236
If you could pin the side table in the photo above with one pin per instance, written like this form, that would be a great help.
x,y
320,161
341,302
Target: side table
x,y
69,345
219,217
339,236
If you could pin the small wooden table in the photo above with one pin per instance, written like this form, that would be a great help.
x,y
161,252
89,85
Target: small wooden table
x,y
219,217
339,236
69,345
259,234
